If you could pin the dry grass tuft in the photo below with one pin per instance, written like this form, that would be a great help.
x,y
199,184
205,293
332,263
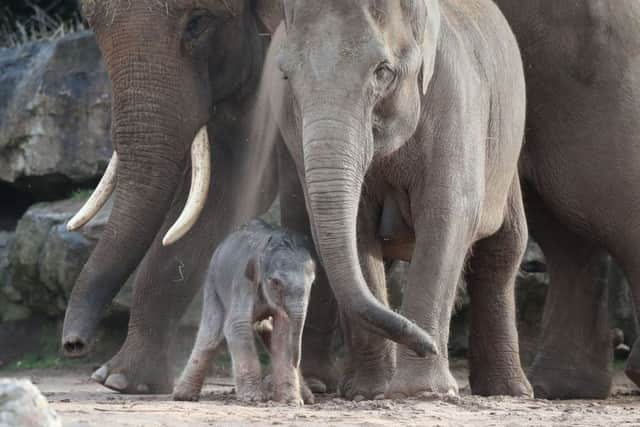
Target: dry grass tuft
x,y
40,26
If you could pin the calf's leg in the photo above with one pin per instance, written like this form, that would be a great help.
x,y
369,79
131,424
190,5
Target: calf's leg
x,y
209,338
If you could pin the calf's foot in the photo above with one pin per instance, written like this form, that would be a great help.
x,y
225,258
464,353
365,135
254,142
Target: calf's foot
x,y
186,393
250,394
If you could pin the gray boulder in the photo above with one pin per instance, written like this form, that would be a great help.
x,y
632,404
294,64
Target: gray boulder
x,y
22,404
41,258
47,258
54,114
10,299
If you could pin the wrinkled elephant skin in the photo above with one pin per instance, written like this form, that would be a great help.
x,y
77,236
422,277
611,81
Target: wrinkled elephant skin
x,y
580,172
176,67
405,121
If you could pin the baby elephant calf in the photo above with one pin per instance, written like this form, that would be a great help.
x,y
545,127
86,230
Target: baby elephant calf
x,y
256,273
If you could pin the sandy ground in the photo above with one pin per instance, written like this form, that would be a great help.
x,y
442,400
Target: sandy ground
x,y
83,403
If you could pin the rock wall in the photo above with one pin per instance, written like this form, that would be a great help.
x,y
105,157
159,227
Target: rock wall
x,y
54,115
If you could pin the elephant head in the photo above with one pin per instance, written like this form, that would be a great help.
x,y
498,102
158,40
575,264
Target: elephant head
x,y
171,62
355,72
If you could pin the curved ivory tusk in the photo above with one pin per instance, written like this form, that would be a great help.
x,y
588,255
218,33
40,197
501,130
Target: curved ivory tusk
x,y
98,198
200,176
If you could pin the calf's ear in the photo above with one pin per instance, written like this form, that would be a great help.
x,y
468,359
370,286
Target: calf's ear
x,y
270,13
251,270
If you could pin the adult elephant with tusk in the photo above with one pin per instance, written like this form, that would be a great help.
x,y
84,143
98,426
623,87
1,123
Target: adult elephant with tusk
x,y
405,120
183,75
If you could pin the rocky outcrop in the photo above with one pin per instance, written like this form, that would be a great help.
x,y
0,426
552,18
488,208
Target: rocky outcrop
x,y
54,115
10,307
22,404
47,259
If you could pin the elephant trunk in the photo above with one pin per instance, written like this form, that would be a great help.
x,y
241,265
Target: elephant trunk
x,y
297,326
146,132
337,154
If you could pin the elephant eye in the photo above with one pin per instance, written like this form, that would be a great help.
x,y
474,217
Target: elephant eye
x,y
198,24
384,74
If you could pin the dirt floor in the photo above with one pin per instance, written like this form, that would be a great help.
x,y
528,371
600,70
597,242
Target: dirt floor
x,y
83,403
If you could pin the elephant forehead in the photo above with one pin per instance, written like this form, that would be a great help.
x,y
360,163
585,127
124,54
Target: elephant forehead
x,y
109,8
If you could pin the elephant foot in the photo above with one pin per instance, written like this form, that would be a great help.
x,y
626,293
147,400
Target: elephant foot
x,y
512,383
143,370
186,393
367,375
557,378
364,384
320,373
633,364
422,378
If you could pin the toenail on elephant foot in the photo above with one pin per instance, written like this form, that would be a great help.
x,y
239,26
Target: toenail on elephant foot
x,y
316,385
117,382
100,375
149,380
364,387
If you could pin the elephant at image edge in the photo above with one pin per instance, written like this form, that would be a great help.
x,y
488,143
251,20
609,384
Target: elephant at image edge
x,y
178,71
405,126
580,176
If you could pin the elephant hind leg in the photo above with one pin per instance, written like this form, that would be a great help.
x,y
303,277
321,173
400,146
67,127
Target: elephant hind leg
x,y
574,357
494,360
627,254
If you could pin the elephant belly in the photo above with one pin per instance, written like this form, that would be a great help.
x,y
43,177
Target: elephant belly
x,y
398,238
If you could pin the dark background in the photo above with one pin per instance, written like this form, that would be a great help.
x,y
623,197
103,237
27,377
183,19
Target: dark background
x,y
23,10
28,12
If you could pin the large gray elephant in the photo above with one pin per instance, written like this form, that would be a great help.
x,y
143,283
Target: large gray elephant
x,y
404,120
580,177
181,71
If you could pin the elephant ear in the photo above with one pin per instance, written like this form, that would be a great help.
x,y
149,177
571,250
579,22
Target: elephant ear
x,y
430,42
270,13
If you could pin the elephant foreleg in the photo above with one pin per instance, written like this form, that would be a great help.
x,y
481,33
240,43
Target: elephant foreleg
x,y
442,239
